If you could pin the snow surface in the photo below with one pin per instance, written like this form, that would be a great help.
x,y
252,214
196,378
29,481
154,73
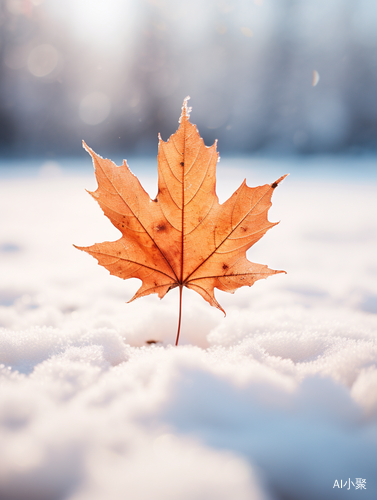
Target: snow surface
x,y
276,401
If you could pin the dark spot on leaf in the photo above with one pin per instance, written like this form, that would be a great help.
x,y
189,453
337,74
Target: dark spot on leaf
x,y
155,200
225,266
274,185
161,227
149,342
182,164
244,229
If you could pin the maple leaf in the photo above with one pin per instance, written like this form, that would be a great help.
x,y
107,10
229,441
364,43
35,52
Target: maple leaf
x,y
184,237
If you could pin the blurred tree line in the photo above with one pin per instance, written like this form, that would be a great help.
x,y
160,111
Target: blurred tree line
x,y
115,72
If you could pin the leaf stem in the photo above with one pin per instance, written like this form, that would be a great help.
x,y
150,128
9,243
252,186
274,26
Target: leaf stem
x,y
180,313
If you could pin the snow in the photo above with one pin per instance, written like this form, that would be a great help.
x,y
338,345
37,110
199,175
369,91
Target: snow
x,y
278,400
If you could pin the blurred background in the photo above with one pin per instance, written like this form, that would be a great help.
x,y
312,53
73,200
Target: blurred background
x,y
276,76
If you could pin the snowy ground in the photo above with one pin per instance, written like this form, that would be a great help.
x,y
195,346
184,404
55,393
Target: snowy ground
x,y
277,401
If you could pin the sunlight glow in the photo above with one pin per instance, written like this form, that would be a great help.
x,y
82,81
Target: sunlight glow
x,y
101,22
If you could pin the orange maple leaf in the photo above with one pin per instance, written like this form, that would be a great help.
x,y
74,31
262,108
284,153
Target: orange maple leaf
x,y
184,237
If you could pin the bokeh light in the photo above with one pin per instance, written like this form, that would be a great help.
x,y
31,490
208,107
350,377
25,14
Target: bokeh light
x,y
94,108
42,60
316,78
